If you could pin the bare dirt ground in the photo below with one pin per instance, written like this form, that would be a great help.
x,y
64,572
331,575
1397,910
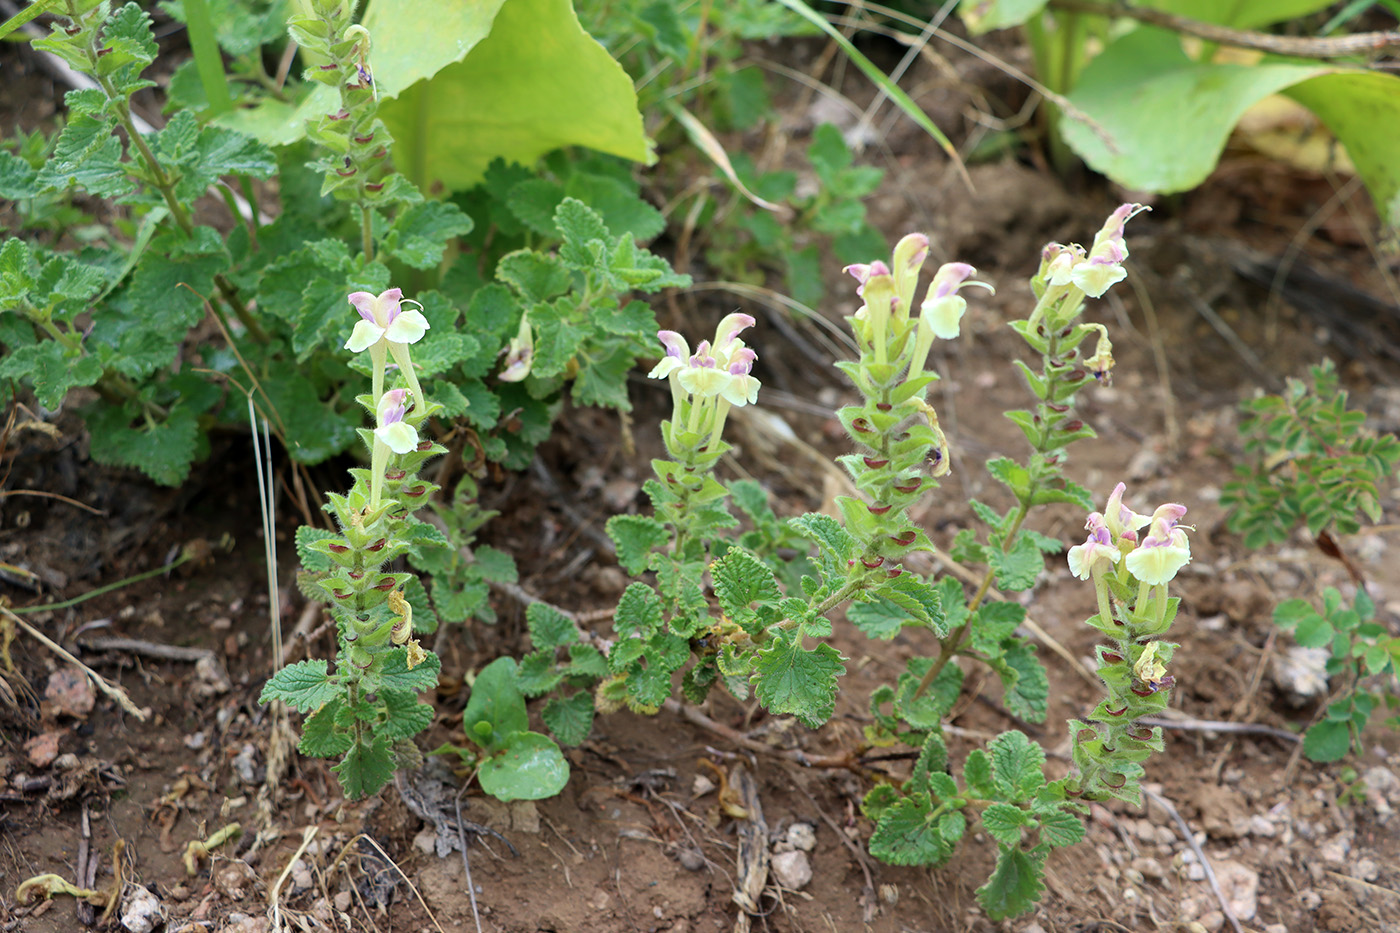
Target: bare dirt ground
x,y
638,840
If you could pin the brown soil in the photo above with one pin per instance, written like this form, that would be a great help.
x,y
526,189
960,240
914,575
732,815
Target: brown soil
x,y
635,843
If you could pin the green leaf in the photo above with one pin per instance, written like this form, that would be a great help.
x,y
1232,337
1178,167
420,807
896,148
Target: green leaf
x,y
636,536
1028,690
927,711
638,612
1357,107
981,16
586,661
879,618
529,766
904,834
789,679
50,371
1327,741
910,593
1162,118
740,581
571,93
421,233
1014,886
315,431
549,628
88,154
1012,475
304,686
1060,828
537,674
537,276
163,450
495,700
1018,568
1003,822
569,718
18,179
1313,632
1017,764
320,736
827,532
396,674
311,559
407,716
366,767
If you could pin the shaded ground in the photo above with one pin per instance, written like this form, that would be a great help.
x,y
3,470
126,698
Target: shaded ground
x,y
637,842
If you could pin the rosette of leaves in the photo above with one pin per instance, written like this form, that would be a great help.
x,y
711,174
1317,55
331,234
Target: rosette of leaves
x,y
511,762
1005,788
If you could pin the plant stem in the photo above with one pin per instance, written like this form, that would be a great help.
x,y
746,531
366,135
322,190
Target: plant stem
x,y
949,647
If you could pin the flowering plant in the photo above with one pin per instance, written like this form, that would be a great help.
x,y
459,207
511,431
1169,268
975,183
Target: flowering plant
x,y
1130,577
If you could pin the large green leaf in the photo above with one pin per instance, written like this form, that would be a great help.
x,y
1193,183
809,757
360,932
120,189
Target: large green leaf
x,y
1166,117
1362,109
536,83
462,83
528,767
1241,14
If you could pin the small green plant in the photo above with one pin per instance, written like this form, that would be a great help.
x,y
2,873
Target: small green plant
x,y
748,241
1365,659
1309,461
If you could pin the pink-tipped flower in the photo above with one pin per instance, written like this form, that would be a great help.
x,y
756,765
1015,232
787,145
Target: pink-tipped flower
x,y
862,272
909,256
677,354
1164,551
1098,547
397,434
943,307
730,326
1097,275
383,317
1118,517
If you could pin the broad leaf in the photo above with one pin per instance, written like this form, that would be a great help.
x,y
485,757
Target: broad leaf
x,y
304,686
528,767
790,679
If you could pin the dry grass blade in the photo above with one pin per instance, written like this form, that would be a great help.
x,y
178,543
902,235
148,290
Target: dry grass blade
x,y
112,690
707,143
752,857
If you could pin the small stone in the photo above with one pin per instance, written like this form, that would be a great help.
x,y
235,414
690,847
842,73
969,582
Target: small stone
x,y
1334,851
802,836
1260,825
235,879
792,870
657,912
600,900
141,911
426,840
701,786
1240,885
1196,871
525,817
70,693
1309,899
1276,928
301,875
245,764
342,901
1034,928
179,890
691,859
1301,674
1366,870
1382,791
196,741
42,749
1149,868
1212,922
